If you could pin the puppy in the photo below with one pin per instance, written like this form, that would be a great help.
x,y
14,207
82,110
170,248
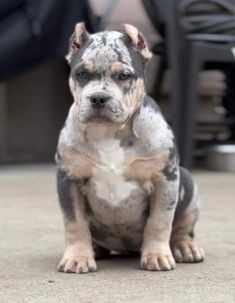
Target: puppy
x,y
119,182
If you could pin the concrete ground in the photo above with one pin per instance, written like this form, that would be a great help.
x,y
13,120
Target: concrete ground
x,y
31,244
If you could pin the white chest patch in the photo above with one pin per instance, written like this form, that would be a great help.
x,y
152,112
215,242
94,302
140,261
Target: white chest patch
x,y
108,175
118,207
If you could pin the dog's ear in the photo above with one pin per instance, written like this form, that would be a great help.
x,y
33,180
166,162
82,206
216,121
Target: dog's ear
x,y
137,40
77,40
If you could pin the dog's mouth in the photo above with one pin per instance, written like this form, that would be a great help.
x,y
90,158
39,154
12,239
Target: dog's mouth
x,y
99,115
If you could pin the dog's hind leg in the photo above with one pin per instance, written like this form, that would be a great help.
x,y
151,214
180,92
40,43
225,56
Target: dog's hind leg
x,y
183,247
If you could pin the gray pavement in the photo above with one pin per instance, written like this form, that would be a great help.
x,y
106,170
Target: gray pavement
x,y
31,244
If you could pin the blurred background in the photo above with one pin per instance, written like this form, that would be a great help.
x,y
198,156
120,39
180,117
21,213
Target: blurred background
x,y
191,75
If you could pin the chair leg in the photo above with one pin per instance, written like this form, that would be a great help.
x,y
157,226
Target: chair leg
x,y
178,75
177,59
159,78
189,109
184,79
3,123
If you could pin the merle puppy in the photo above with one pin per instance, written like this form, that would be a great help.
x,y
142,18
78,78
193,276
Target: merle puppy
x,y
119,182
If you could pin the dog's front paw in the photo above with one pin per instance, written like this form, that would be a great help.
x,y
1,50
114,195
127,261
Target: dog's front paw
x,y
186,251
159,261
77,259
77,264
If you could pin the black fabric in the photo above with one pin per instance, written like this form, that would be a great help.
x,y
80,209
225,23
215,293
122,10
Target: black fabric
x,y
157,12
208,16
204,20
33,31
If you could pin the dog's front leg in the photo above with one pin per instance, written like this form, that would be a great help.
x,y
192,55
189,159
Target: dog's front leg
x,y
156,253
78,256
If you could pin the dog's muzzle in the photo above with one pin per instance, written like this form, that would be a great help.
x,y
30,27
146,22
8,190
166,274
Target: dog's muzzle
x,y
99,100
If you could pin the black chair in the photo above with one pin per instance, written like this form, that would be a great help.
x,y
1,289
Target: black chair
x,y
187,49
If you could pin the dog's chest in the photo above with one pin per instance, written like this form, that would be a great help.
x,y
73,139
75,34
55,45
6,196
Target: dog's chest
x,y
108,189
118,207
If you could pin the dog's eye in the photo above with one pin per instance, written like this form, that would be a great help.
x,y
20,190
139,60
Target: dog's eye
x,y
82,75
124,76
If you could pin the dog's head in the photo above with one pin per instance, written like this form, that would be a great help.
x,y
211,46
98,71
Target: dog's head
x,y
107,73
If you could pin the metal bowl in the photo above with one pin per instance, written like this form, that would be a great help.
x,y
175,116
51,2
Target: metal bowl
x,y
221,158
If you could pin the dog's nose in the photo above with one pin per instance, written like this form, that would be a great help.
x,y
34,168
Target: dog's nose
x,y
99,99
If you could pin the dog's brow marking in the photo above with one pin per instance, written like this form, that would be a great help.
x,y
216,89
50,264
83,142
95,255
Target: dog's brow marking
x,y
89,65
118,66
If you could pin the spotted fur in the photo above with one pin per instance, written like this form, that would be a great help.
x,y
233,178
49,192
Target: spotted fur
x,y
119,181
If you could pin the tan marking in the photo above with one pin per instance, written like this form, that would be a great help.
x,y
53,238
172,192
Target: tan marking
x,y
72,86
133,33
134,99
79,255
77,165
89,66
116,67
79,33
147,169
77,94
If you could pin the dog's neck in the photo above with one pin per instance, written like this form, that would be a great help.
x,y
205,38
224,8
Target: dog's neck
x,y
100,131
97,131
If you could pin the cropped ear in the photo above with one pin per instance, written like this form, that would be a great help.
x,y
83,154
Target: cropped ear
x,y
77,40
137,39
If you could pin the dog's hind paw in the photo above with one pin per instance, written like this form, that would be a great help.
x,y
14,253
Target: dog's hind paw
x,y
186,251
